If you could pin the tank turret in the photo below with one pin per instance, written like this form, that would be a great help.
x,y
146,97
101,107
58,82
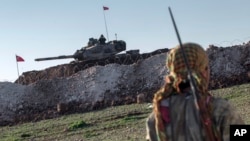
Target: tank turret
x,y
93,51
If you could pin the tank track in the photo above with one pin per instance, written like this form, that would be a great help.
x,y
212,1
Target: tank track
x,y
66,70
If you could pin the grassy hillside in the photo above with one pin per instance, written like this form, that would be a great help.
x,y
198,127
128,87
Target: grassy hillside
x,y
121,123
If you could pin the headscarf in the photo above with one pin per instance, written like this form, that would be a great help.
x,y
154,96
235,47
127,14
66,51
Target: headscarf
x,y
198,62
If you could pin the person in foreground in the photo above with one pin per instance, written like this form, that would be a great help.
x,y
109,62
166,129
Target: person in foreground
x,y
175,115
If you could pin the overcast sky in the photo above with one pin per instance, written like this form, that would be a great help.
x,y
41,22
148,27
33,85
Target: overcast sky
x,y
43,28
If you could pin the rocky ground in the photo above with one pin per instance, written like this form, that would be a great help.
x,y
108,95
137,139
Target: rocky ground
x,y
229,65
113,84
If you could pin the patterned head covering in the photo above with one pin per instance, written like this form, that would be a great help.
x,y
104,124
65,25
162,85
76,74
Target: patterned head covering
x,y
197,60
198,63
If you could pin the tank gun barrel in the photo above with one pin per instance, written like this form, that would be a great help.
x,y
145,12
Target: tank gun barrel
x,y
93,51
54,58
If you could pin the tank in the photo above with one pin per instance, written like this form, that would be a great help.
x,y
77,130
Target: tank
x,y
95,53
95,50
88,56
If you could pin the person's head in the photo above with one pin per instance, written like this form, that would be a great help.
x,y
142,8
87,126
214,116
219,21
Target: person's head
x,y
177,81
198,62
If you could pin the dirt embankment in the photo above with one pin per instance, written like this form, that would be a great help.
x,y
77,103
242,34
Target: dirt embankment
x,y
113,84
229,65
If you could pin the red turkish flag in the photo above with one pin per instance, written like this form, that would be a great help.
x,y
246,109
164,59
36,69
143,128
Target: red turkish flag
x,y
105,8
19,59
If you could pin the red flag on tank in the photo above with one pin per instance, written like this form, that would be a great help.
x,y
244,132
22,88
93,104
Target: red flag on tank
x,y
105,8
19,59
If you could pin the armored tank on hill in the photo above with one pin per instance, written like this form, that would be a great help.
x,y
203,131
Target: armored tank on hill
x,y
95,50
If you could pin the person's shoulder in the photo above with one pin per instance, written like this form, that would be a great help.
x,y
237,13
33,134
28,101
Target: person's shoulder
x,y
220,102
221,105
224,108
219,99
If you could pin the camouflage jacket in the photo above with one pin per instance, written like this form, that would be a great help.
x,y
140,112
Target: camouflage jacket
x,y
185,124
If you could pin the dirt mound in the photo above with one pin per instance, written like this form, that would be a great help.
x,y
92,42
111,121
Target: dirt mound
x,y
66,89
93,88
229,65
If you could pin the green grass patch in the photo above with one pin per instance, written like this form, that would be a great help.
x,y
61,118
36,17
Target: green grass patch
x,y
89,134
25,135
132,118
77,125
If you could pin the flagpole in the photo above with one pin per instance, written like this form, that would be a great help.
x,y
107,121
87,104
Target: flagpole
x,y
106,24
17,71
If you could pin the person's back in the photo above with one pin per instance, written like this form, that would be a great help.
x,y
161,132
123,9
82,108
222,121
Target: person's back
x,y
185,123
175,116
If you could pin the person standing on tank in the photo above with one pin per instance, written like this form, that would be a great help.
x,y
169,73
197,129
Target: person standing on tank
x,y
102,40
